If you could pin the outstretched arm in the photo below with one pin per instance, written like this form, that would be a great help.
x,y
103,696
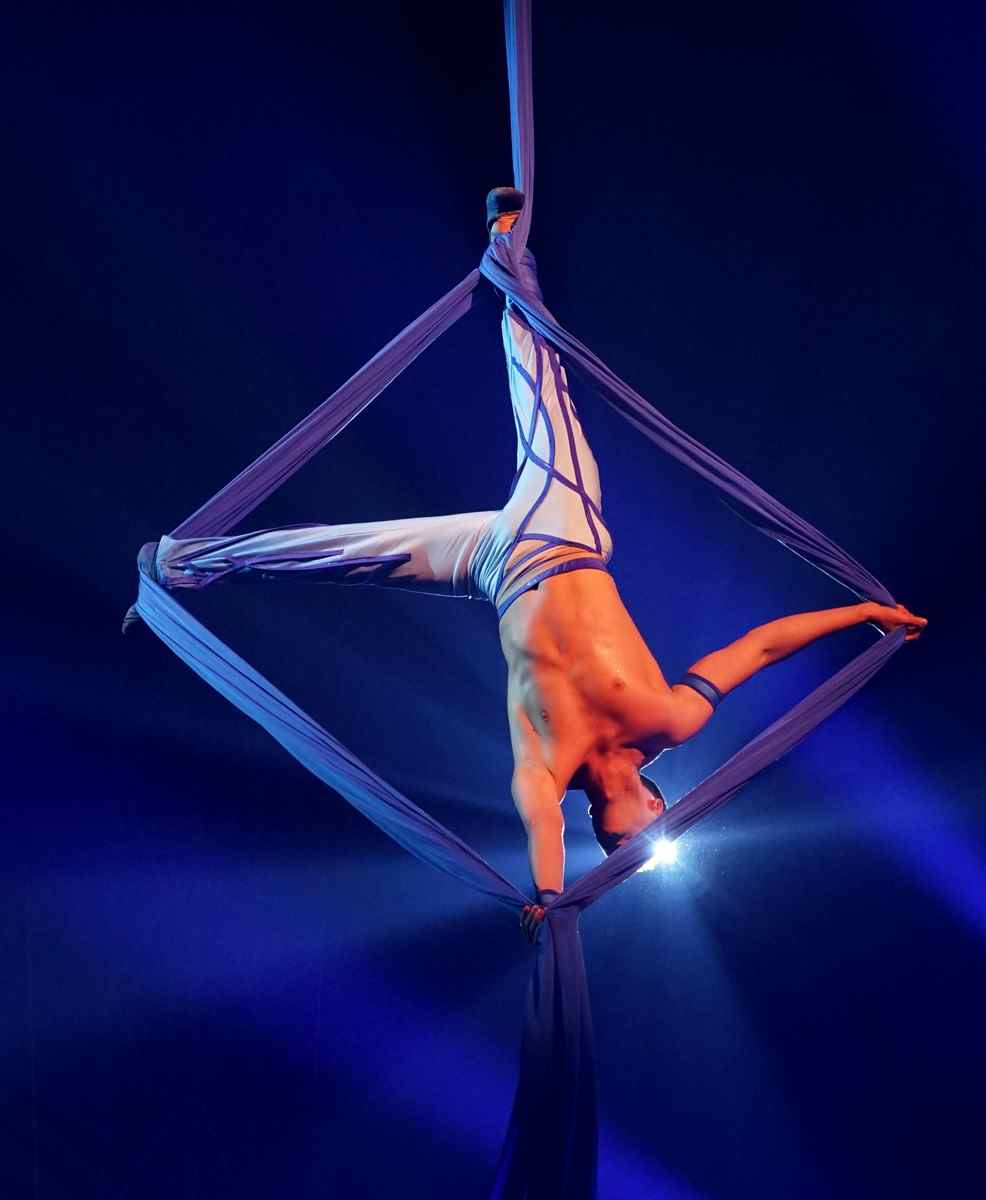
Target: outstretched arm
x,y
768,644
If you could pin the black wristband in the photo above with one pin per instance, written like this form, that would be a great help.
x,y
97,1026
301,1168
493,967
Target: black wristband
x,y
705,687
546,894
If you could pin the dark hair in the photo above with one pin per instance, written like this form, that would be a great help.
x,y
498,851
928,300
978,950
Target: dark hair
x,y
608,841
611,841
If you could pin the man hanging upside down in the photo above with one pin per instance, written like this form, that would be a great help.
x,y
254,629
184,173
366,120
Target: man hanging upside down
x,y
587,704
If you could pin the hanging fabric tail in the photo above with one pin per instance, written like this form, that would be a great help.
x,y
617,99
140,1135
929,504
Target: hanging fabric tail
x,y
551,1144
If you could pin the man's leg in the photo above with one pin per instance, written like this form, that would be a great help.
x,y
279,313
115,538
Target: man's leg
x,y
554,512
430,554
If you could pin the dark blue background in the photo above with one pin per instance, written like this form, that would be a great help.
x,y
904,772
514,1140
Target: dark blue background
x,y
220,982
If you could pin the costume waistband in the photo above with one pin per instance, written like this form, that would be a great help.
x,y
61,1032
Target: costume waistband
x,y
594,563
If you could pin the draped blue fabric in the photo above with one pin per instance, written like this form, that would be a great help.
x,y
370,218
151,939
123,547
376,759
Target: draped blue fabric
x,y
550,1147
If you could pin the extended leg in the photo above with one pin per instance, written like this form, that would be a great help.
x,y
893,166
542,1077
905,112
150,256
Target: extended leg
x,y
430,554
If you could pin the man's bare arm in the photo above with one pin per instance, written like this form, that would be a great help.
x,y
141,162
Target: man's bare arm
x,y
535,793
770,643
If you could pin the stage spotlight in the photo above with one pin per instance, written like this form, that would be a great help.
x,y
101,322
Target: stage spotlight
x,y
665,855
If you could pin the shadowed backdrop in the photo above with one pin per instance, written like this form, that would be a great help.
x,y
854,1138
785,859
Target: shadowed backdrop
x,y
219,980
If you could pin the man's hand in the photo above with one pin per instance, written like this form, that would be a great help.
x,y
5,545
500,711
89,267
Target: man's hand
x,y
533,915
530,921
887,619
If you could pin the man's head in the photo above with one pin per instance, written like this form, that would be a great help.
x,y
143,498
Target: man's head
x,y
621,809
503,205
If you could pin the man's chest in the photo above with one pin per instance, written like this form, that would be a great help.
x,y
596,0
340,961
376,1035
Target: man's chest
x,y
562,716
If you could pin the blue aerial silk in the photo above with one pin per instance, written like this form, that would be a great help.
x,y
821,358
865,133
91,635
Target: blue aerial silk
x,y
550,1147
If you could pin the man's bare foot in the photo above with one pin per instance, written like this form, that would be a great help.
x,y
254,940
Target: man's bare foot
x,y
503,205
130,619
505,223
147,563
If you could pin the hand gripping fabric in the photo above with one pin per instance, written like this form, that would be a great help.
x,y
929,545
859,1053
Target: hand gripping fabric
x,y
550,1147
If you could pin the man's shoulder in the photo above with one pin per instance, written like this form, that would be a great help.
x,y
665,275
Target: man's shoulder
x,y
688,712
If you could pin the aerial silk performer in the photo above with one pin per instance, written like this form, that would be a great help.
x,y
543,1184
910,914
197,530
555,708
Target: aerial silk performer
x,y
587,702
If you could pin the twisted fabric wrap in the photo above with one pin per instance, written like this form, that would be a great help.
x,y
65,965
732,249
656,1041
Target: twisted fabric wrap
x,y
550,1147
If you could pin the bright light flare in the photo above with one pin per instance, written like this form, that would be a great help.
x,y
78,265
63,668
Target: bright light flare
x,y
665,855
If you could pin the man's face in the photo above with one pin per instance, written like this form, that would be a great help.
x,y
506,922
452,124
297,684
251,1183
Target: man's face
x,y
645,815
617,822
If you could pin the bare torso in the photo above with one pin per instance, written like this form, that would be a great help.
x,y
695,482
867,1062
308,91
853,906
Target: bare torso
x,y
581,680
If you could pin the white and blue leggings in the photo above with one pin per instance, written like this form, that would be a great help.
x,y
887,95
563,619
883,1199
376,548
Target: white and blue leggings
x,y
552,520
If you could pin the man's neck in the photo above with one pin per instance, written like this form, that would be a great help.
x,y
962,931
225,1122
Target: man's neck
x,y
610,776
